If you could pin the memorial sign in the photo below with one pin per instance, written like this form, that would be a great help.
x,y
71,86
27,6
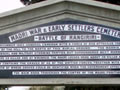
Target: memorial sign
x,y
69,49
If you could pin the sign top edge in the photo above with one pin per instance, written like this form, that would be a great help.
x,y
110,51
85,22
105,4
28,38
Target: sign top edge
x,y
51,2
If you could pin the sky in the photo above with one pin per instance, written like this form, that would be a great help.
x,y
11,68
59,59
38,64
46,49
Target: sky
x,y
8,5
19,88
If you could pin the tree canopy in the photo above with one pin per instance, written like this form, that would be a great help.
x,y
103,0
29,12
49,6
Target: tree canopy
x,y
28,2
110,1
